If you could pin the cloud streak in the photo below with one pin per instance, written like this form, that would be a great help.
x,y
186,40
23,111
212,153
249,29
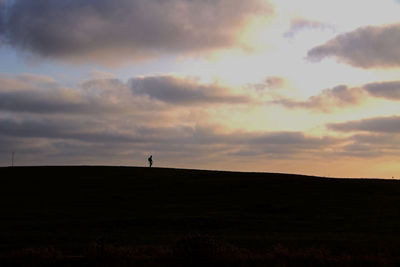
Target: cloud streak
x,y
179,139
371,137
184,91
327,100
110,32
388,90
343,96
366,47
372,145
298,25
374,125
110,118
41,95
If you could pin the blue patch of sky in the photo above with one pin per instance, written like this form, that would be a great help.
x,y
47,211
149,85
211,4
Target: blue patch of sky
x,y
159,66
69,74
13,63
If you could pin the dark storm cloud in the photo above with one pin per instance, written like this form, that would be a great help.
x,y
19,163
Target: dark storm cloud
x,y
302,24
375,125
389,90
366,47
327,100
110,31
175,90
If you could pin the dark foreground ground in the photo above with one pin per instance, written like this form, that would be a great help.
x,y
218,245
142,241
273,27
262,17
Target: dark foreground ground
x,y
167,217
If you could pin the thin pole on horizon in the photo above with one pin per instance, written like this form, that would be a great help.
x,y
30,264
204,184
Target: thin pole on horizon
x,y
12,159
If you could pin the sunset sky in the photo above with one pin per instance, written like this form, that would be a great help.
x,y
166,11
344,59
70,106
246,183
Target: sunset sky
x,y
309,87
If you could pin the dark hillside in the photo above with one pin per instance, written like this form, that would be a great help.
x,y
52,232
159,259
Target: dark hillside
x,y
71,207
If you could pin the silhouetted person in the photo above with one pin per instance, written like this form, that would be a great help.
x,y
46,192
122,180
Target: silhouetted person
x,y
150,159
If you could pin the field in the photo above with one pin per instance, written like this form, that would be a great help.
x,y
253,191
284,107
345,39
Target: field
x,y
158,217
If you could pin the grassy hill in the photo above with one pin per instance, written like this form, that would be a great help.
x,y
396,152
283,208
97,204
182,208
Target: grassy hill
x,y
69,209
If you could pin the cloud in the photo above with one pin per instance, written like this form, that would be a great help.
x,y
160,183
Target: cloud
x,y
33,94
273,82
366,47
298,25
327,100
127,135
42,95
70,141
62,129
374,125
2,19
370,145
344,96
389,90
111,32
285,145
108,121
39,103
184,91
98,75
103,120
71,137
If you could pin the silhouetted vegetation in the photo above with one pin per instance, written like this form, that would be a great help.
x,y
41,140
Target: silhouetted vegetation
x,y
101,216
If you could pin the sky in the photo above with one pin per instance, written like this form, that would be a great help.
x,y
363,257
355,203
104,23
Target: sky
x,y
309,87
